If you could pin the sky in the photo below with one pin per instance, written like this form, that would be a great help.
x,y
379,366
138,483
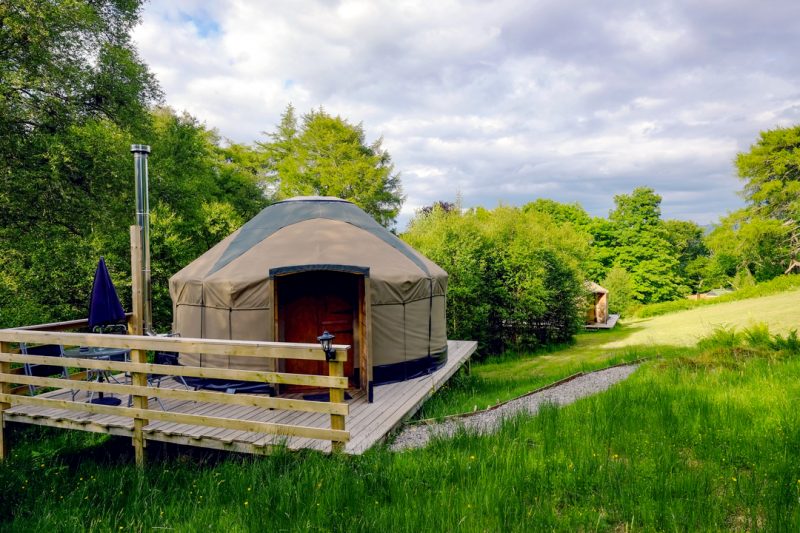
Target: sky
x,y
501,102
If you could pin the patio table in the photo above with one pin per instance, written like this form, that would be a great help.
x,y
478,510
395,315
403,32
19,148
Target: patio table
x,y
103,354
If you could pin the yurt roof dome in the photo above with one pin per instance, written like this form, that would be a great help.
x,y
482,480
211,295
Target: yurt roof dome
x,y
302,208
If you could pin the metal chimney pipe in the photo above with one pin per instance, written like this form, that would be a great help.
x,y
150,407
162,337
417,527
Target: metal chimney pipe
x,y
140,152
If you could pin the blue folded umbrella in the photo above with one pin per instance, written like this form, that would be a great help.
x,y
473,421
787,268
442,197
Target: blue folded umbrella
x,y
104,306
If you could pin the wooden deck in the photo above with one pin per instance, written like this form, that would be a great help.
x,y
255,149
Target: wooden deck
x,y
368,423
612,321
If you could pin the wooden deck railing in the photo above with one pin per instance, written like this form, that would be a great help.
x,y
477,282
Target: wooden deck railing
x,y
140,391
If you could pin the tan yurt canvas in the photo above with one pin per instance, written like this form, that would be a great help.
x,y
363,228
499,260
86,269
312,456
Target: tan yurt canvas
x,y
310,264
597,312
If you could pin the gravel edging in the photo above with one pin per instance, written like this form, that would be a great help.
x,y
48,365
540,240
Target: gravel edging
x,y
419,435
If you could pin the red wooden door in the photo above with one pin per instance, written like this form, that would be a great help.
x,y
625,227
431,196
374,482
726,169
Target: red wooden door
x,y
312,302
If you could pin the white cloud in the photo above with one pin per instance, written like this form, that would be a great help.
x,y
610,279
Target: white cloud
x,y
502,101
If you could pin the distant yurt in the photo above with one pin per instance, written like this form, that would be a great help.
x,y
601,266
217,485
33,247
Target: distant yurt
x,y
598,306
310,264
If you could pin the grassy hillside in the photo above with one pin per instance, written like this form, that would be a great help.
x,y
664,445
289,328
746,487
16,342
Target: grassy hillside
x,y
707,442
510,375
774,286
781,312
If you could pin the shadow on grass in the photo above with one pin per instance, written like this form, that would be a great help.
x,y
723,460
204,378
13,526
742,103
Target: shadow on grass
x,y
73,449
585,340
621,331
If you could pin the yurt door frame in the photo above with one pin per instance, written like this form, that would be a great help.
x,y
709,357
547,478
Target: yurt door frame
x,y
362,331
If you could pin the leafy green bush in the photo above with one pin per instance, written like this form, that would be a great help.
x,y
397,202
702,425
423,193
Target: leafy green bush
x,y
515,277
789,344
620,286
758,336
730,347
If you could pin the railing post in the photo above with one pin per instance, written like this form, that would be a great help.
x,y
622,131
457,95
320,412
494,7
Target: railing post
x,y
5,388
336,369
138,356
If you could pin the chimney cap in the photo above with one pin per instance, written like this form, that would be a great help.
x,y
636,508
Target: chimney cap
x,y
140,149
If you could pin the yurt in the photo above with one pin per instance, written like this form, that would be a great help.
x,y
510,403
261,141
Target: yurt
x,y
310,264
597,313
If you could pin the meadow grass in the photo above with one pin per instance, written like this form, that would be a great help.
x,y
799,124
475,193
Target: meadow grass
x,y
685,328
774,286
501,378
504,377
707,441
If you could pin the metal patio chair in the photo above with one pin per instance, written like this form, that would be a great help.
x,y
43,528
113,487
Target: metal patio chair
x,y
163,358
42,370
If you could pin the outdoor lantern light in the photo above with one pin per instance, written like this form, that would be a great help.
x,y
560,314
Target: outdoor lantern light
x,y
325,340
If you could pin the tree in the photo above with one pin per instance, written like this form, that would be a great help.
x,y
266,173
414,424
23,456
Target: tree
x,y
748,247
439,204
637,212
64,66
599,231
688,241
604,248
620,287
328,156
62,62
771,172
72,92
516,277
191,170
561,213
642,247
200,192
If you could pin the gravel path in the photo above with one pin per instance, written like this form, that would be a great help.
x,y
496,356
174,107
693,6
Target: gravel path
x,y
418,435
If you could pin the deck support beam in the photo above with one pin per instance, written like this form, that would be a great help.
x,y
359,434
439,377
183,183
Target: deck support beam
x,y
5,388
336,369
136,328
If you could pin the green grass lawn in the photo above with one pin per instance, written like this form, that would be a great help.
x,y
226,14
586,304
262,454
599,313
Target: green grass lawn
x,y
700,438
781,312
505,377
704,442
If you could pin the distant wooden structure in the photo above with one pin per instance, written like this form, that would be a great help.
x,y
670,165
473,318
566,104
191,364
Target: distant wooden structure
x,y
597,313
714,293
